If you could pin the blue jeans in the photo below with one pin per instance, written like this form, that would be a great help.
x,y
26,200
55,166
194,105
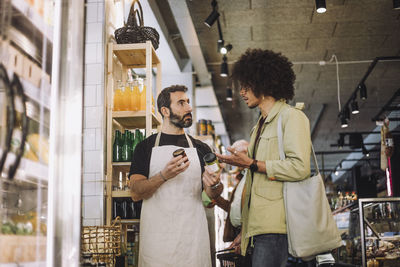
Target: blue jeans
x,y
270,250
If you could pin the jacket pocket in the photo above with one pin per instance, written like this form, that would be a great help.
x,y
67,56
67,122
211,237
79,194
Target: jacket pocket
x,y
270,192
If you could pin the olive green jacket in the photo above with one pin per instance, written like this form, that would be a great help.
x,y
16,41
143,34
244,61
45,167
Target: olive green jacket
x,y
266,214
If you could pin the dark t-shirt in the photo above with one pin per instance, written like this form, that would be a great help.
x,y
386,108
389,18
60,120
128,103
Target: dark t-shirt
x,y
141,157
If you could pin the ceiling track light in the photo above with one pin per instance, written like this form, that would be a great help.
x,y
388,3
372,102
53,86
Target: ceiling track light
x,y
343,121
220,45
363,91
354,107
346,113
365,151
341,141
320,6
396,4
229,94
224,67
214,15
225,49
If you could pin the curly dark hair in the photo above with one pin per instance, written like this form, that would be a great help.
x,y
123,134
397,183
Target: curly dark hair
x,y
164,98
266,73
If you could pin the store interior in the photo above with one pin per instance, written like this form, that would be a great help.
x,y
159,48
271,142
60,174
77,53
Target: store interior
x,y
72,94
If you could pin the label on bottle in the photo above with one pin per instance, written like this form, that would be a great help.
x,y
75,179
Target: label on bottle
x,y
214,167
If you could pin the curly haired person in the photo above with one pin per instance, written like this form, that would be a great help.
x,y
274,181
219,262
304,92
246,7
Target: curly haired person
x,y
266,79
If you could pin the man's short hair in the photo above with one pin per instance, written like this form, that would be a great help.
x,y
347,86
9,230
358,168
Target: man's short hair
x,y
266,73
164,98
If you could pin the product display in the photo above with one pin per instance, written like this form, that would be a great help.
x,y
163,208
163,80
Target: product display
x,y
205,127
124,145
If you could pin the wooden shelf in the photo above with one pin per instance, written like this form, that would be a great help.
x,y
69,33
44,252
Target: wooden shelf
x,y
134,119
134,55
121,166
121,193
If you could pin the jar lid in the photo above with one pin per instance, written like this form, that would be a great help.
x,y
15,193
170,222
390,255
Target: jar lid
x,y
178,152
209,157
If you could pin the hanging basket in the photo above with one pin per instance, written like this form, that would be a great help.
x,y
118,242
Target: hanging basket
x,y
134,30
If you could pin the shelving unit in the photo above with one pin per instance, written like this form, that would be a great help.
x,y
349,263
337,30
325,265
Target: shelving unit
x,y
28,170
122,57
26,51
30,14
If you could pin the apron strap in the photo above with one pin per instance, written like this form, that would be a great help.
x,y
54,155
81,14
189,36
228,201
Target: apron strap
x,y
158,139
189,141
157,143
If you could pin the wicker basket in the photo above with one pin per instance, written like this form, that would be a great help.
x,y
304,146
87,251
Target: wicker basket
x,y
134,33
103,243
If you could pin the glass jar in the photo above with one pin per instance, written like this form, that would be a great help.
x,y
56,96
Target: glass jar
x,y
211,160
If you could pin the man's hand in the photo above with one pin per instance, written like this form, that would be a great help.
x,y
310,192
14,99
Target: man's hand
x,y
239,159
236,243
212,183
174,167
210,178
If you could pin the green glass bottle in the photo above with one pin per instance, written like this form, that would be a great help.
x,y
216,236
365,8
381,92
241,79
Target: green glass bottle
x,y
117,153
126,156
137,139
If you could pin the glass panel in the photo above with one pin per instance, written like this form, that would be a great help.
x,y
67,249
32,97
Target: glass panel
x,y
26,46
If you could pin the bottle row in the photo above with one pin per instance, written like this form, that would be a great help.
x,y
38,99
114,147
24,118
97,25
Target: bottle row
x,y
343,200
131,96
205,127
126,208
125,144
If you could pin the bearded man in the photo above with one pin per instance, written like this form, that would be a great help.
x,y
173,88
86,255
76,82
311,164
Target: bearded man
x,y
173,225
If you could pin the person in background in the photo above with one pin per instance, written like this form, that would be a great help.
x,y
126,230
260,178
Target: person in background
x,y
173,225
266,80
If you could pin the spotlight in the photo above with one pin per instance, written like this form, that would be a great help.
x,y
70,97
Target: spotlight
x,y
363,91
212,18
220,44
336,172
396,4
341,141
343,121
346,113
365,151
320,6
224,67
354,107
225,49
229,94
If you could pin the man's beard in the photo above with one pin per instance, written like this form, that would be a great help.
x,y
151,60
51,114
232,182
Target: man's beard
x,y
181,122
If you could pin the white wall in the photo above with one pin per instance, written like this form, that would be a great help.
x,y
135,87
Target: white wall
x,y
93,133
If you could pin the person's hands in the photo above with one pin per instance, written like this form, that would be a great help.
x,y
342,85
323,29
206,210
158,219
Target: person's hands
x,y
236,243
175,166
239,159
210,178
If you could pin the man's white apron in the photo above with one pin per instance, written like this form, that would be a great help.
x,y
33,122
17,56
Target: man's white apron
x,y
173,224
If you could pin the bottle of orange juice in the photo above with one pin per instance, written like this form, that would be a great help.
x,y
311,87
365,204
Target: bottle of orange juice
x,y
136,95
118,96
142,89
129,93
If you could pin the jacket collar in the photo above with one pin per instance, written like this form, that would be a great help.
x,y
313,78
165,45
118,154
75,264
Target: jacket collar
x,y
279,104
